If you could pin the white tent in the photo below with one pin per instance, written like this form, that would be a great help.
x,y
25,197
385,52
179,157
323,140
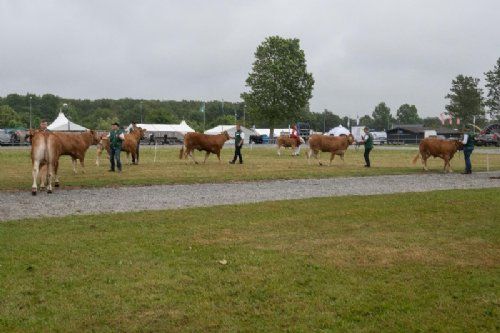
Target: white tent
x,y
61,123
231,129
277,131
339,130
181,128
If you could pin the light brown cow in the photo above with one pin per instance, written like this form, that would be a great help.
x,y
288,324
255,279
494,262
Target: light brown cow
x,y
129,145
199,141
45,150
74,145
335,145
434,147
288,142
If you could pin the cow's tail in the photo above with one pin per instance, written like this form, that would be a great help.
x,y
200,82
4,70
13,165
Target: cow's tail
x,y
181,153
416,158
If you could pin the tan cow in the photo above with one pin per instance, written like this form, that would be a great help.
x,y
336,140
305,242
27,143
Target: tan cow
x,y
199,141
435,147
335,145
288,142
45,150
74,145
129,145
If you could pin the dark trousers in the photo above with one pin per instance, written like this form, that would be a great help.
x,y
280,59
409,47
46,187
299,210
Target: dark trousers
x,y
367,156
114,154
137,154
237,154
468,165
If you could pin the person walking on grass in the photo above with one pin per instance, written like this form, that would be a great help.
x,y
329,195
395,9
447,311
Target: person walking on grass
x,y
132,129
468,142
367,140
116,137
239,138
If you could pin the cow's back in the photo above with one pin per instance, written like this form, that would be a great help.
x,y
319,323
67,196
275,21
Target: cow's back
x,y
437,147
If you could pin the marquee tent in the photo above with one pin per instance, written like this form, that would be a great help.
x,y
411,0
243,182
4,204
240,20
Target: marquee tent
x,y
61,123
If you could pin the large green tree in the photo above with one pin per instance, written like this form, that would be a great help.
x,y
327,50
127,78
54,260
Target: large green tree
x,y
493,86
280,86
9,117
466,99
407,114
382,117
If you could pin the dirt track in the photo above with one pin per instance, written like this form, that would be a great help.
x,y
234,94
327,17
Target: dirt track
x,y
19,205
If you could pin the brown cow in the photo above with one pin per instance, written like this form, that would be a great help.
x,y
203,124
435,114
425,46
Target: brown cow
x,y
45,150
434,147
74,145
129,145
209,143
335,145
288,142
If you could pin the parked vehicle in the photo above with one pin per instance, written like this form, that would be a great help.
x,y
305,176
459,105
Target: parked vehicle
x,y
379,138
492,139
10,137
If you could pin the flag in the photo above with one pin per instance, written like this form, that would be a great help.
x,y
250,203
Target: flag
x,y
202,107
458,121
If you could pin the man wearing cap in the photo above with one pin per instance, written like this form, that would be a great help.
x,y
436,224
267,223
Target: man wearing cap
x,y
239,137
116,137
368,142
468,142
134,128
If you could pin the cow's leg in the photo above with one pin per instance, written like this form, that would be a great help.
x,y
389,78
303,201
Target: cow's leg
x,y
424,158
206,156
332,156
82,164
35,171
279,150
73,161
218,156
447,166
192,156
51,176
43,174
56,173
98,155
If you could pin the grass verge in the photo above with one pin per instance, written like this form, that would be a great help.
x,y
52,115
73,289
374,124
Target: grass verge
x,y
401,262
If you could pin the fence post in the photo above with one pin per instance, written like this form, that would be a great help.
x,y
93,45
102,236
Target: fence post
x,y
487,162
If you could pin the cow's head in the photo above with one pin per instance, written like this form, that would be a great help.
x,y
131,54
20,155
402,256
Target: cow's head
x,y
95,137
226,135
350,139
459,144
142,131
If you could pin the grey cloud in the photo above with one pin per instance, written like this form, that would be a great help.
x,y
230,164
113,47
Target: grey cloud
x,y
360,52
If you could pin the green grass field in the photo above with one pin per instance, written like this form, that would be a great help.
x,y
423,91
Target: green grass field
x,y
260,164
392,263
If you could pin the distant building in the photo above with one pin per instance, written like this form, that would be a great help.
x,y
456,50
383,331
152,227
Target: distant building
x,y
231,129
413,134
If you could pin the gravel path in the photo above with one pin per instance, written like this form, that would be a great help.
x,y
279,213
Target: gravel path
x,y
19,205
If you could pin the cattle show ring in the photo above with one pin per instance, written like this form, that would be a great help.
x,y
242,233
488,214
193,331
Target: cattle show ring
x,y
249,166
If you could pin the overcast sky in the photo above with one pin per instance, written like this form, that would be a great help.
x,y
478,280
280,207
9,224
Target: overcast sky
x,y
360,52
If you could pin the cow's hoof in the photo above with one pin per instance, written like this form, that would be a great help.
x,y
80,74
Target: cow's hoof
x,y
33,191
49,191
56,184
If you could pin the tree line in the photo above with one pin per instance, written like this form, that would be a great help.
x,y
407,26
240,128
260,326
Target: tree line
x,y
279,90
